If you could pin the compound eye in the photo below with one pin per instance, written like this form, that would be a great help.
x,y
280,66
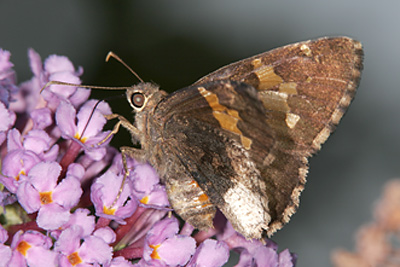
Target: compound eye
x,y
137,100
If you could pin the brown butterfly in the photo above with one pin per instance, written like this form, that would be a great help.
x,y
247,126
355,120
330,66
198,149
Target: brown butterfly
x,y
239,138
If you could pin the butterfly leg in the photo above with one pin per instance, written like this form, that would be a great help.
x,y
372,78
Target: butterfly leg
x,y
131,152
126,151
125,123
121,121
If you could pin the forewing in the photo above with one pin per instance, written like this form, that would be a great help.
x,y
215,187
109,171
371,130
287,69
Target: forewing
x,y
306,85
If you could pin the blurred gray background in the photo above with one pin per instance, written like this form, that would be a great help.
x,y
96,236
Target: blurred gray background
x,y
173,43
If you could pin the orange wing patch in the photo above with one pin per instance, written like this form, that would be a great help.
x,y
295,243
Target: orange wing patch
x,y
227,118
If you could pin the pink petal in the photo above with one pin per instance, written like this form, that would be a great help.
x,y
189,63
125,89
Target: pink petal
x,y
69,240
28,197
83,219
55,63
52,216
163,230
94,249
35,62
144,177
41,117
14,140
105,233
68,192
92,121
64,91
177,250
65,117
7,118
44,176
76,170
80,96
5,63
39,256
210,253
37,141
5,255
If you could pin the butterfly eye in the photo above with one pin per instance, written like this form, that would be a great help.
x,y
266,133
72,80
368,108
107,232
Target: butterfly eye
x,y
137,100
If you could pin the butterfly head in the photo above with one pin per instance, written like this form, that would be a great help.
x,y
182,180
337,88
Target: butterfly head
x,y
143,95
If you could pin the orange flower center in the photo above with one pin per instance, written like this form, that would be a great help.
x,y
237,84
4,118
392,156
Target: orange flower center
x,y
108,211
22,172
82,139
154,255
74,259
45,197
23,247
144,200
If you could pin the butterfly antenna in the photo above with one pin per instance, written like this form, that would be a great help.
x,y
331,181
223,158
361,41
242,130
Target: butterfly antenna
x,y
92,113
82,86
113,55
90,117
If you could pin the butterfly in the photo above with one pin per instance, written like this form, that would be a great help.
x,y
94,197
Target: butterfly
x,y
239,139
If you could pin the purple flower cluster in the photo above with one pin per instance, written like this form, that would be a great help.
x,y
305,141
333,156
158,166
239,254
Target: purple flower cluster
x,y
60,196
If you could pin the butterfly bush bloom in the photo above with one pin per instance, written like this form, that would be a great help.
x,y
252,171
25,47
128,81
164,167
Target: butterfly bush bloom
x,y
32,249
147,188
163,245
88,131
103,193
76,248
62,197
40,192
